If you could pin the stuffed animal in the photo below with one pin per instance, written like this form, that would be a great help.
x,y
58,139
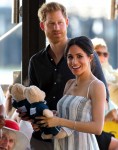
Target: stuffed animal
x,y
18,99
36,98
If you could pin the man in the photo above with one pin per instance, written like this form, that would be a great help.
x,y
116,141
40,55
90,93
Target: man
x,y
12,139
48,68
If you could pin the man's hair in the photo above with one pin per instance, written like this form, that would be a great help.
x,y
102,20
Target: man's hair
x,y
98,42
50,7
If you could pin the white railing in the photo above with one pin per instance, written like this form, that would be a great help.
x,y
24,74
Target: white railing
x,y
10,31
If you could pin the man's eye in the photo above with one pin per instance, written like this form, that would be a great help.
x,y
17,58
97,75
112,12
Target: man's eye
x,y
60,22
51,23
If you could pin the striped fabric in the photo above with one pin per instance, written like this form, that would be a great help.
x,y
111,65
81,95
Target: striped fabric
x,y
75,108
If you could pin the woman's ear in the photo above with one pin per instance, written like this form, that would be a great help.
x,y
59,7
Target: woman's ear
x,y
91,57
41,25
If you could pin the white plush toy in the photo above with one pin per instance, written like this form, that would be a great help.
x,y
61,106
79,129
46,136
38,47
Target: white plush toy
x,y
18,99
36,98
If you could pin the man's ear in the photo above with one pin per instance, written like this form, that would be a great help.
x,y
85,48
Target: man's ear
x,y
41,25
67,22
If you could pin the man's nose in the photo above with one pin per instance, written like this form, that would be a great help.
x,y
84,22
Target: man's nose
x,y
56,26
102,59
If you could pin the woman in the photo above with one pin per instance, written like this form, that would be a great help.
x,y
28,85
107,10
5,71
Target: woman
x,y
82,107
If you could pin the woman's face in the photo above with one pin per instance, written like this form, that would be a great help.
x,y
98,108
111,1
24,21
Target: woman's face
x,y
102,54
7,142
78,61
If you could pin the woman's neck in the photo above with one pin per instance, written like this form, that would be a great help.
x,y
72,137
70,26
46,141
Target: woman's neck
x,y
84,78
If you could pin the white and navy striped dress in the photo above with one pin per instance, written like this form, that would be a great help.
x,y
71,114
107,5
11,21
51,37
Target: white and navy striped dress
x,y
75,108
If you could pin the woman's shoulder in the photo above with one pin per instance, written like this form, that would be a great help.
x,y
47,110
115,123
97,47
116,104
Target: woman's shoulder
x,y
70,81
96,85
98,82
97,90
68,84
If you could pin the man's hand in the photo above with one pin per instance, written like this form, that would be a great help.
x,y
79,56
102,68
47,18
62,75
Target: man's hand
x,y
35,127
23,115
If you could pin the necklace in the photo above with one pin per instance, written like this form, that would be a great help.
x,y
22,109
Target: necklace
x,y
76,84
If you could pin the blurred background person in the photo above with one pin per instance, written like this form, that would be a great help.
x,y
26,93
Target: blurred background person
x,y
101,48
12,138
111,76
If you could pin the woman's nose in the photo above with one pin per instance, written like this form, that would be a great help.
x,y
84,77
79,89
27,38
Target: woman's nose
x,y
74,61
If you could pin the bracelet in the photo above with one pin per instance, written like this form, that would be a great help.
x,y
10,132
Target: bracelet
x,y
74,128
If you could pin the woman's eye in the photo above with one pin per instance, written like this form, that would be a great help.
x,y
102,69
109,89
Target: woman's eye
x,y
79,56
3,138
11,141
69,57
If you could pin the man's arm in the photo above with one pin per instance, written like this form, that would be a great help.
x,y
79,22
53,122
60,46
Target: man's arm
x,y
97,71
31,73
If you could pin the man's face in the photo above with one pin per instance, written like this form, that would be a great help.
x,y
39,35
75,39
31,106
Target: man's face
x,y
55,26
7,142
102,54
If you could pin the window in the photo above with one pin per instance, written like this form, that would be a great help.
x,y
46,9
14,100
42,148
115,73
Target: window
x,y
10,44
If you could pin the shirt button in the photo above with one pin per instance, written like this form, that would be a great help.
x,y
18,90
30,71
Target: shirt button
x,y
55,83
54,97
55,69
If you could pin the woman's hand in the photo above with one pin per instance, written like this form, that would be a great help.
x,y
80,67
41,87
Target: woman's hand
x,y
112,115
48,122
